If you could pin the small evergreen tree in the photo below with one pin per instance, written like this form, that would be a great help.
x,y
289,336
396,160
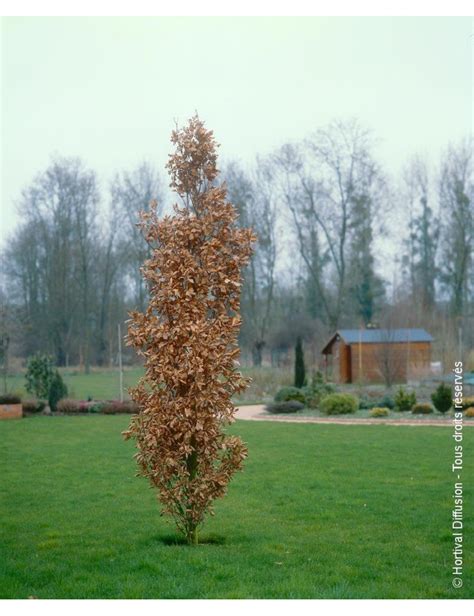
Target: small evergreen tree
x,y
442,398
57,391
300,371
39,374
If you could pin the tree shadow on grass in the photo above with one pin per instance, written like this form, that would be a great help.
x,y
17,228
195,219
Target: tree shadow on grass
x,y
175,539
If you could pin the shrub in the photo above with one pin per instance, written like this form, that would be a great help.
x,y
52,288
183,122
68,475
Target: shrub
x,y
339,404
33,406
379,411
422,408
315,392
10,399
69,406
467,402
57,391
114,407
39,375
469,412
300,371
95,407
290,393
442,398
404,400
386,401
366,403
290,406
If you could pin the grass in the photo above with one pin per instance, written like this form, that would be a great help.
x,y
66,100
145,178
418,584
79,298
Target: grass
x,y
319,512
104,384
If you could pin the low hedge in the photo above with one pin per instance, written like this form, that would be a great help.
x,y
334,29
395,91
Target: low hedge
x,y
288,406
10,399
379,411
422,408
115,407
33,406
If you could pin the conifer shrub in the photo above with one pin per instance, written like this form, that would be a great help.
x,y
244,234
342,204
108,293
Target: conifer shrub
x,y
404,400
442,398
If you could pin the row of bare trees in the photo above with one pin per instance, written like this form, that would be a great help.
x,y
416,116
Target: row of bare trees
x,y
322,209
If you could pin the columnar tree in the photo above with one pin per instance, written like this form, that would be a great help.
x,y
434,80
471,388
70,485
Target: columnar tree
x,y
188,337
300,372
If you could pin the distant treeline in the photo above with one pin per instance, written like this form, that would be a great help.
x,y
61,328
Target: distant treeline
x,y
321,209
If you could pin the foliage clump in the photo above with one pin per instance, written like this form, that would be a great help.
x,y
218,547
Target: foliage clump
x,y
10,399
422,408
317,390
288,406
339,404
467,403
33,406
442,398
188,337
290,393
368,403
404,400
379,411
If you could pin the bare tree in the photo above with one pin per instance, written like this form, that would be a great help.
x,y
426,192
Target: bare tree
x,y
422,242
325,180
456,191
253,196
55,270
132,192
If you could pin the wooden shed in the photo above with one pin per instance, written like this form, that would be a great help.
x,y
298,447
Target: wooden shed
x,y
373,355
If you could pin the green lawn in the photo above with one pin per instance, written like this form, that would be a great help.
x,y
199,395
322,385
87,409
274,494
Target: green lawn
x,y
104,383
99,384
319,512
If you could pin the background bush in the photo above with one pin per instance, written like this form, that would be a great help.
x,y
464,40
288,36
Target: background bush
x,y
10,399
469,412
442,398
404,400
367,403
33,406
68,406
318,390
422,408
379,411
114,407
467,402
339,404
290,393
289,406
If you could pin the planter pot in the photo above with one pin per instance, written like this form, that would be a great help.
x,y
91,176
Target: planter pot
x,y
11,411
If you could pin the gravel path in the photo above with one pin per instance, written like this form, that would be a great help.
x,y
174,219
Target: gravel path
x,y
256,412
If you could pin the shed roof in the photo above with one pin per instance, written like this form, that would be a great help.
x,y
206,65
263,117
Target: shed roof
x,y
371,336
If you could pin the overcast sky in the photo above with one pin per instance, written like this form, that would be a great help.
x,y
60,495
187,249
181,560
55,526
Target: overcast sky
x,y
109,89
